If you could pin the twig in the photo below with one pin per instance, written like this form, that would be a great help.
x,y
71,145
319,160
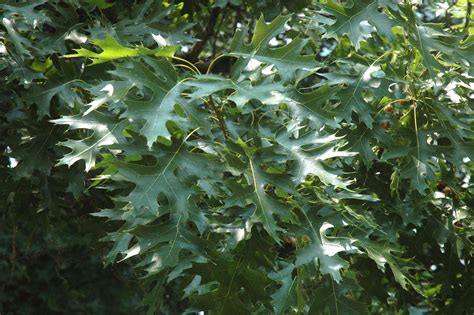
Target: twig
x,y
13,255
220,119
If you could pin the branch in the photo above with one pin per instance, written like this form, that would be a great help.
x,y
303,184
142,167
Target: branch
x,y
468,17
199,46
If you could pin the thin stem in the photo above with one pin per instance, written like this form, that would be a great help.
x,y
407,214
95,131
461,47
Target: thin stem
x,y
399,100
186,67
196,70
213,62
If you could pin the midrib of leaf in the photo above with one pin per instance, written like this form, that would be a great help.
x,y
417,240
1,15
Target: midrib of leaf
x,y
231,284
337,301
315,234
417,145
175,237
329,297
287,296
168,164
301,156
335,297
256,190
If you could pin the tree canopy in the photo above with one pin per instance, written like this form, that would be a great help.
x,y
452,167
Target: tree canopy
x,y
236,157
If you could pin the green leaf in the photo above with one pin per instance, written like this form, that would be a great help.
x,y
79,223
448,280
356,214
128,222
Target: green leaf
x,y
26,11
383,254
101,4
323,249
429,38
43,95
217,286
310,151
106,131
255,192
311,106
288,58
266,91
31,153
370,80
170,177
302,105
166,245
334,300
154,100
111,50
363,139
285,296
348,20
22,46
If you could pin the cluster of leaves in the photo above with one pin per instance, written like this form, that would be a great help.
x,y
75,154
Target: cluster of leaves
x,y
325,170
50,257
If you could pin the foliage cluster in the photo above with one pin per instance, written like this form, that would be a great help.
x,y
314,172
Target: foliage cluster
x,y
246,157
